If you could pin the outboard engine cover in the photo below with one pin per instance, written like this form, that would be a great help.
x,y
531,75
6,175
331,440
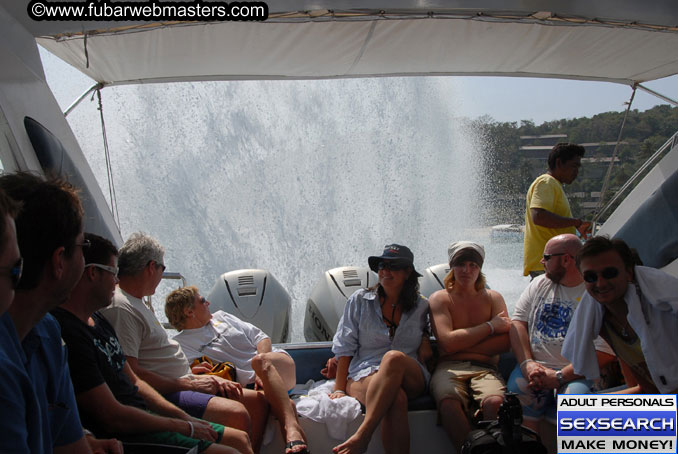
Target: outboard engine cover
x,y
433,278
326,304
256,297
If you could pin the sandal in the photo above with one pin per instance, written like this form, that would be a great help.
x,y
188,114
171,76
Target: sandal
x,y
294,443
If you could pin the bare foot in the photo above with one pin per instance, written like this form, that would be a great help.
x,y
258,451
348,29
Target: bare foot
x,y
354,445
295,434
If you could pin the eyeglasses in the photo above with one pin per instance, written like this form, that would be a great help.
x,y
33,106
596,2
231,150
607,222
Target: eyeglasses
x,y
85,244
608,273
14,272
547,257
111,269
158,265
392,266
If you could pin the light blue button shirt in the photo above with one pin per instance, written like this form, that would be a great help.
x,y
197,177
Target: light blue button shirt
x,y
363,334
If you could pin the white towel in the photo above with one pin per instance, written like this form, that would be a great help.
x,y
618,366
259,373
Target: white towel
x,y
335,413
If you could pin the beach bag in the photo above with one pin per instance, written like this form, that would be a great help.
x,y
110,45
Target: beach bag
x,y
225,369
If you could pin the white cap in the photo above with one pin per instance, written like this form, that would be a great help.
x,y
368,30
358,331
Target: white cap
x,y
459,245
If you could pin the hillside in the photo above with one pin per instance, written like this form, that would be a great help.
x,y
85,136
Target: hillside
x,y
512,169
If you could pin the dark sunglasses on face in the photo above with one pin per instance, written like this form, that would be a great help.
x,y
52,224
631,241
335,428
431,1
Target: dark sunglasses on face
x,y
85,244
392,266
607,273
158,265
547,257
14,272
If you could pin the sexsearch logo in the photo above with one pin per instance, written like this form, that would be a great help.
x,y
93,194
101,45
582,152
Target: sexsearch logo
x,y
611,423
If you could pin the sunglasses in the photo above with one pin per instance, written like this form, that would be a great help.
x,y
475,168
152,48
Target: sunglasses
x,y
85,244
158,265
392,266
547,257
111,269
607,273
14,272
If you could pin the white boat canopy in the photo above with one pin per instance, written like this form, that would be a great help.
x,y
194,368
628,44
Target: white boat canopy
x,y
623,41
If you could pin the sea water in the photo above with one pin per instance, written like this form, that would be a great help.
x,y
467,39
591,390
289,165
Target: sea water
x,y
295,177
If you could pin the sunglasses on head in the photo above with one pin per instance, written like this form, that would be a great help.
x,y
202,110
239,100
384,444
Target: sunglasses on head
x,y
547,257
608,273
14,272
392,266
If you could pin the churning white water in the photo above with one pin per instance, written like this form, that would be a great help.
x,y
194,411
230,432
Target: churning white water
x,y
295,177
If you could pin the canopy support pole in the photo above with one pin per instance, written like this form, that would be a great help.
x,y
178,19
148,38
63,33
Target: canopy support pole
x,y
658,95
606,181
75,103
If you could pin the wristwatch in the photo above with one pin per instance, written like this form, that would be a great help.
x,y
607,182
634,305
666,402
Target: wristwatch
x,y
559,376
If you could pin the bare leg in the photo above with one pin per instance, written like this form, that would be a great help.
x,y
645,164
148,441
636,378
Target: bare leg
x,y
228,413
235,439
275,391
491,406
284,366
454,421
397,371
395,427
221,449
257,407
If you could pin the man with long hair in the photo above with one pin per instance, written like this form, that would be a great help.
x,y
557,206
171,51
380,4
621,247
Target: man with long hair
x,y
471,325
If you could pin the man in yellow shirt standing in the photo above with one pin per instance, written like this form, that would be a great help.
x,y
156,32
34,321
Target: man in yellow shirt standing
x,y
547,211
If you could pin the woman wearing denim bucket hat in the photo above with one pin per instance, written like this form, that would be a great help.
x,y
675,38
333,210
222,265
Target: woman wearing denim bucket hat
x,y
381,343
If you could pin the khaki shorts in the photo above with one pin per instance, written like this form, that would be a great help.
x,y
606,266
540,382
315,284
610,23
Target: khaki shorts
x,y
466,382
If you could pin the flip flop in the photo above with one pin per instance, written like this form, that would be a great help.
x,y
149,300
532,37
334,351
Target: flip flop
x,y
294,443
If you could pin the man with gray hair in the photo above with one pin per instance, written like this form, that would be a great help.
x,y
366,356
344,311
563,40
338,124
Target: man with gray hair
x,y
159,360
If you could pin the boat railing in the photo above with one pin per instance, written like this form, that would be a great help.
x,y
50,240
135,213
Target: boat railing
x,y
663,150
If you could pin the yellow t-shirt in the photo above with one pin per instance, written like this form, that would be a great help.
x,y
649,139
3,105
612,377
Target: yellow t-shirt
x,y
545,192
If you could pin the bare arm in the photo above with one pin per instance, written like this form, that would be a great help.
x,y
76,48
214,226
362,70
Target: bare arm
x,y
79,447
425,351
119,418
545,218
463,339
342,376
153,399
265,346
204,384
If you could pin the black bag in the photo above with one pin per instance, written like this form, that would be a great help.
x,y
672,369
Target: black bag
x,y
506,435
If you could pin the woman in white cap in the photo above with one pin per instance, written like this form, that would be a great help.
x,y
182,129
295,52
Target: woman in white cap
x,y
381,343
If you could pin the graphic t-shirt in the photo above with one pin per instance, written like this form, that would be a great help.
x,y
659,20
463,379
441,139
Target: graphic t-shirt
x,y
96,357
547,308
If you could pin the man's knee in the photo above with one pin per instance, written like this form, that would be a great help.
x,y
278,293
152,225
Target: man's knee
x,y
237,439
229,413
261,362
490,405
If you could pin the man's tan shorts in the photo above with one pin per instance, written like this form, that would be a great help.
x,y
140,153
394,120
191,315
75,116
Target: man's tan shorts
x,y
455,379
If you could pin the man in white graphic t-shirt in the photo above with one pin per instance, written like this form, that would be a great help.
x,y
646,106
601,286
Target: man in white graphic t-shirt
x,y
538,327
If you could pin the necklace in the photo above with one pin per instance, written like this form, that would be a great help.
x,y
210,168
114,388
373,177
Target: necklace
x,y
392,325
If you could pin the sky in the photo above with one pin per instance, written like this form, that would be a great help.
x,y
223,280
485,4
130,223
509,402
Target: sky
x,y
505,99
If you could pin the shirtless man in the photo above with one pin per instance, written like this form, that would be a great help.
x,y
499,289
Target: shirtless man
x,y
471,325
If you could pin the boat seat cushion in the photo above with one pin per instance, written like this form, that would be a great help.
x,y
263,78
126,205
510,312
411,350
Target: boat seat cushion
x,y
310,361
